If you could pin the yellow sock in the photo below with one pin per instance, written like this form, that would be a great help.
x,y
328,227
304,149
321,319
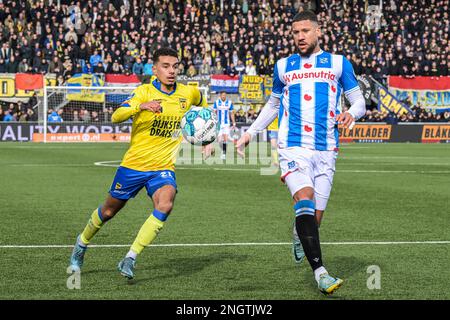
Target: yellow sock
x,y
94,224
148,232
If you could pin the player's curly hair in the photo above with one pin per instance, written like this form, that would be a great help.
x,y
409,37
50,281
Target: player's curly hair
x,y
165,51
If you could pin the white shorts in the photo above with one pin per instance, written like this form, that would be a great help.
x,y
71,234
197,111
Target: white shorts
x,y
302,167
224,129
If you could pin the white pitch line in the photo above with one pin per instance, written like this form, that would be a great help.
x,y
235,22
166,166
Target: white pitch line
x,y
227,244
115,164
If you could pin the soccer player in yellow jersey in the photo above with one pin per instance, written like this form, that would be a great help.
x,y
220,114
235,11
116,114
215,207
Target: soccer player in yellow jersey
x,y
156,109
273,136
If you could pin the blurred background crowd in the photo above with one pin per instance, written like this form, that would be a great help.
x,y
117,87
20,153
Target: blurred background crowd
x,y
407,38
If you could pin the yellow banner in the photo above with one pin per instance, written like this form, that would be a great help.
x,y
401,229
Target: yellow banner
x,y
268,84
85,80
388,102
251,88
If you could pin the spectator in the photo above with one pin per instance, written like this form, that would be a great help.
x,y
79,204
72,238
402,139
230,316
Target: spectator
x,y
99,68
23,66
148,67
138,67
71,35
85,116
12,66
94,59
191,71
231,70
75,117
55,66
43,67
7,117
218,69
240,116
95,117
116,68
2,66
250,69
240,68
54,117
205,68
6,52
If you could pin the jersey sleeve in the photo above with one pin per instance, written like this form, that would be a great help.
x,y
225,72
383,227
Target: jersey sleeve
x,y
348,78
198,99
137,97
231,106
278,85
131,106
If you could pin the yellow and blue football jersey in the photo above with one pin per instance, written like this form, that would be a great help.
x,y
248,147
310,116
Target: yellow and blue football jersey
x,y
274,125
156,137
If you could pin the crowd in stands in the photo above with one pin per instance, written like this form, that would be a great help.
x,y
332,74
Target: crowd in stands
x,y
419,115
20,111
408,37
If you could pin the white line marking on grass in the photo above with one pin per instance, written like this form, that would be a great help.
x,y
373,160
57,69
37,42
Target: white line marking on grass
x,y
227,244
50,165
391,171
115,164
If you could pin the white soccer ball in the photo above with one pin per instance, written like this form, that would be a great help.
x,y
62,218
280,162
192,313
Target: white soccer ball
x,y
199,126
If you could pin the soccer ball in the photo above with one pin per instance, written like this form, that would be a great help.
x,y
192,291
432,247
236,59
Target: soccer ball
x,y
199,126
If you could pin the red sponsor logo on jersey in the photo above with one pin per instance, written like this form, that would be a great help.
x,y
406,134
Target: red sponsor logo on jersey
x,y
298,75
333,88
332,114
308,128
307,65
307,97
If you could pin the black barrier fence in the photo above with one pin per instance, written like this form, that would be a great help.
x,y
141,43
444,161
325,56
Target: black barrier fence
x,y
363,132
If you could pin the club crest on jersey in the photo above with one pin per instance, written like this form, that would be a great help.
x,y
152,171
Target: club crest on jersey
x,y
183,104
291,165
323,60
118,186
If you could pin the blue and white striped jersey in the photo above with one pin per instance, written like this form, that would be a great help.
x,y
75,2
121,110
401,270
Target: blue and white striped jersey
x,y
309,89
223,109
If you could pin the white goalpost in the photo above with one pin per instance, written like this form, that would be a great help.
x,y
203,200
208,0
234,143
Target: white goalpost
x,y
83,114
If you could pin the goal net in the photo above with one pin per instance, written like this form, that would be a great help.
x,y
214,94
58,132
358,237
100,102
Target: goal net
x,y
83,114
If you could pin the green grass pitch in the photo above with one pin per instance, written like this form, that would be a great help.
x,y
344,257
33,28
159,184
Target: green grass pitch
x,y
382,193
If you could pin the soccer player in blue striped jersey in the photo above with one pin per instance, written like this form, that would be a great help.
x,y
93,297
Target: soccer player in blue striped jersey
x,y
225,114
307,88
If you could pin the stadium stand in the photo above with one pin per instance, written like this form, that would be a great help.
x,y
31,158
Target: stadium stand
x,y
406,38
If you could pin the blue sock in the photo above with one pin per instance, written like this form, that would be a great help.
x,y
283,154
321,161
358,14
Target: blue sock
x,y
161,216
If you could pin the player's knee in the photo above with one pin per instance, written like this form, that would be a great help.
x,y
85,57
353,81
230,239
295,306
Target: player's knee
x,y
165,206
108,213
304,194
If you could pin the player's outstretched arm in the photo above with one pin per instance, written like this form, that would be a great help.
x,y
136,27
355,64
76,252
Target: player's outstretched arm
x,y
266,116
124,113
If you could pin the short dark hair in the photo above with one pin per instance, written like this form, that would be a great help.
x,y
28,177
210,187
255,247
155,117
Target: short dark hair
x,y
164,52
306,15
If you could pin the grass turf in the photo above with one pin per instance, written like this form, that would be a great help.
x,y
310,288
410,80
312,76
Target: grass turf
x,y
381,192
